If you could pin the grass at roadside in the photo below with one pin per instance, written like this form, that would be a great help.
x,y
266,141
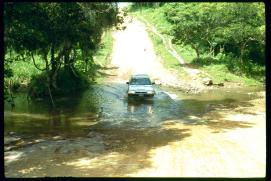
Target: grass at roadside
x,y
157,19
167,59
103,55
220,73
24,70
217,72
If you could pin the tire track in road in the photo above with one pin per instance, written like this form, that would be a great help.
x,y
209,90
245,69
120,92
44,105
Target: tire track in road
x,y
192,72
133,53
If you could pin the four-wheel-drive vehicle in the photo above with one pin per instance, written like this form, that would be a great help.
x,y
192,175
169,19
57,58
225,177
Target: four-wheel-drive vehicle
x,y
140,85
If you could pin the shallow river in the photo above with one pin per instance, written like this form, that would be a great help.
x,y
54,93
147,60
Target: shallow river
x,y
99,132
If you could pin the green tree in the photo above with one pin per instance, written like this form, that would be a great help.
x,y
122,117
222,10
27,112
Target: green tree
x,y
193,24
60,33
243,24
206,27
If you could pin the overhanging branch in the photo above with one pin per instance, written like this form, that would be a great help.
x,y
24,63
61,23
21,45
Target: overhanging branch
x,y
36,64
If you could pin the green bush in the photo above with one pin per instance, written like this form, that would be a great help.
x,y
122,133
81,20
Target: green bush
x,y
205,60
38,86
67,83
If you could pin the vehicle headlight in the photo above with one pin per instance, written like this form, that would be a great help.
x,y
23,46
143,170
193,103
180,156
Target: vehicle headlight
x,y
131,92
150,92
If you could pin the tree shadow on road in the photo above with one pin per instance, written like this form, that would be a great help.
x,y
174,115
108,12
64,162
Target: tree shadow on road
x,y
222,115
109,68
128,151
129,146
106,74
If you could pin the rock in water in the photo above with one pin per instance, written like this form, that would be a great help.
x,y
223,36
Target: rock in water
x,y
11,133
158,82
9,140
207,81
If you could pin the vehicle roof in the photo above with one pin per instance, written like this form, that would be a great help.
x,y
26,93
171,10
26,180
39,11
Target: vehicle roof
x,y
140,76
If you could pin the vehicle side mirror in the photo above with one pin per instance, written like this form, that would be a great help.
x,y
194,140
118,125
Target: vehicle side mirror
x,y
127,82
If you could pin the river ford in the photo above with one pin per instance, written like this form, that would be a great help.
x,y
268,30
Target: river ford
x,y
100,133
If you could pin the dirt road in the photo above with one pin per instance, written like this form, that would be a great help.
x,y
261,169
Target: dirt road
x,y
208,152
232,144
134,53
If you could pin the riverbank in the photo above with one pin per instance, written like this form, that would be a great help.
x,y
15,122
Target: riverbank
x,y
179,59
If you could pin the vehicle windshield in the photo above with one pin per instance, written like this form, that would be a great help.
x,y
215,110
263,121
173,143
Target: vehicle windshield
x,y
140,81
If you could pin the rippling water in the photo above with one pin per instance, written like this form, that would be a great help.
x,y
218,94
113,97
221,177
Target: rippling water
x,y
117,124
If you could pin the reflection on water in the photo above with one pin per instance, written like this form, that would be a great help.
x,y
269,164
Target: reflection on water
x,y
89,131
141,106
105,106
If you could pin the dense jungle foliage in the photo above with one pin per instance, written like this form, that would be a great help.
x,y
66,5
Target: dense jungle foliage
x,y
58,38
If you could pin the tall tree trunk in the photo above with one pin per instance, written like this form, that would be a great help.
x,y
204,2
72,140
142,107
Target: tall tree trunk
x,y
211,48
221,48
242,49
66,61
197,51
54,67
66,53
49,80
211,51
53,61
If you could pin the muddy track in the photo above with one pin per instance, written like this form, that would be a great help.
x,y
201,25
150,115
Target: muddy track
x,y
133,52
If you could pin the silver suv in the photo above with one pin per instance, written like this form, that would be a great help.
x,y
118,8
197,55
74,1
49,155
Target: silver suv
x,y
140,85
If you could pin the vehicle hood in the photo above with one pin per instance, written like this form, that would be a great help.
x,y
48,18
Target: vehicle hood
x,y
139,88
